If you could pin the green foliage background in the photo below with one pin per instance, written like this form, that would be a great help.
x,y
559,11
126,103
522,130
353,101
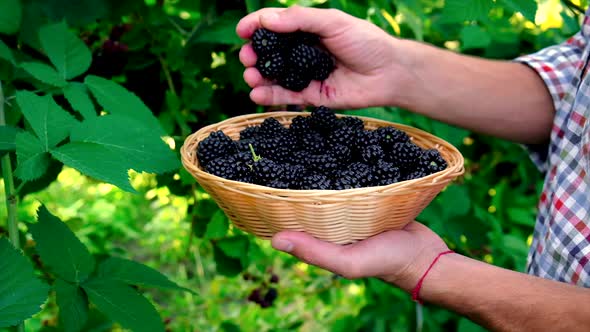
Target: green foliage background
x,y
69,66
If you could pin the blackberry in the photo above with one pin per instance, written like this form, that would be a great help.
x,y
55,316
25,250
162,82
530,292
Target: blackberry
x,y
222,167
270,296
323,119
298,157
266,42
314,143
341,153
243,145
271,66
244,157
292,175
302,37
292,81
316,182
347,180
353,122
265,171
278,184
271,127
431,161
249,132
372,154
364,173
405,155
323,163
390,135
216,145
415,175
343,136
386,173
362,140
302,59
323,66
300,125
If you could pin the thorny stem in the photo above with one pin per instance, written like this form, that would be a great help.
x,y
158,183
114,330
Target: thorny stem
x,y
10,193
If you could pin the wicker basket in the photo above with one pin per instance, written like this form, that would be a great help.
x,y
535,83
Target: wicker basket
x,y
337,216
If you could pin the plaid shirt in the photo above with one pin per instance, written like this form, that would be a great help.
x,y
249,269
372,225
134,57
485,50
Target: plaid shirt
x,y
561,242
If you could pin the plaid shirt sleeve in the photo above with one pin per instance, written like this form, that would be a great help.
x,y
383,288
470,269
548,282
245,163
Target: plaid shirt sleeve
x,y
557,66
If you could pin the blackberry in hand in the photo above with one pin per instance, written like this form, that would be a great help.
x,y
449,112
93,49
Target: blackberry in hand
x,y
271,66
293,81
302,60
266,42
323,66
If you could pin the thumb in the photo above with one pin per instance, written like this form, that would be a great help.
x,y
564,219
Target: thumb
x,y
329,256
315,20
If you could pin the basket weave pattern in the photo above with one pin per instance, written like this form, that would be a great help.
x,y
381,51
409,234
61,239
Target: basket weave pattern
x,y
337,216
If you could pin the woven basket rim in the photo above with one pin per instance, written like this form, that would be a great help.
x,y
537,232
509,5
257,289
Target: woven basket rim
x,y
451,172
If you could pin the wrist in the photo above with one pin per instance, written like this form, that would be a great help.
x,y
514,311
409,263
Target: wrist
x,y
404,71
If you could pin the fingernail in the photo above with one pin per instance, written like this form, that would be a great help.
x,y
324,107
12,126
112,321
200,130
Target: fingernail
x,y
282,245
270,18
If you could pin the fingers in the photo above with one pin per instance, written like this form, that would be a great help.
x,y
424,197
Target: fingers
x,y
253,78
276,95
323,22
247,55
326,255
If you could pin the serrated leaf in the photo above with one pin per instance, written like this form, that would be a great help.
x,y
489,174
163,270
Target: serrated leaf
x,y
8,138
49,121
107,147
73,305
235,246
117,100
21,292
32,160
217,226
67,52
528,8
123,305
473,36
11,12
60,249
44,73
457,11
77,96
6,52
134,273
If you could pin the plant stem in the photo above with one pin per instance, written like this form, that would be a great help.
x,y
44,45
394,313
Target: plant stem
x,y
9,192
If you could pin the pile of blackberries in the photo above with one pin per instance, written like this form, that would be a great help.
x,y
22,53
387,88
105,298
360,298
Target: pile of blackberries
x,y
319,151
293,60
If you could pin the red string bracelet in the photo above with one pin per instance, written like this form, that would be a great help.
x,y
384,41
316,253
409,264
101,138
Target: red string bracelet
x,y
416,289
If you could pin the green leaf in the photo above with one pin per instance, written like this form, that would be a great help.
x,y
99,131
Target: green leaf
x,y
451,134
225,265
8,138
455,201
11,12
21,292
49,121
73,305
60,249
229,327
235,246
33,161
107,147
252,5
217,226
6,53
67,52
515,245
222,31
457,11
134,273
77,96
116,100
528,8
44,73
473,36
124,305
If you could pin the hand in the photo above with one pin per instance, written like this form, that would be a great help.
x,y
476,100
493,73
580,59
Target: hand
x,y
398,257
367,72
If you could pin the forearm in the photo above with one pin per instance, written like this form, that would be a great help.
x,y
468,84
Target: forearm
x,y
499,98
504,300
